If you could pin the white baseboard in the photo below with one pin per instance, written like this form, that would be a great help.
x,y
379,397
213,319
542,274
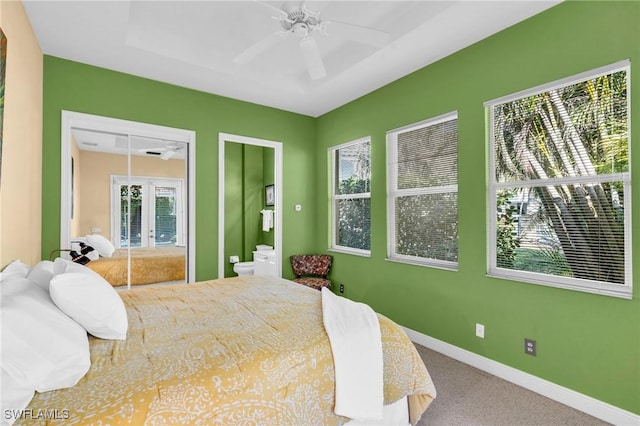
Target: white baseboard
x,y
584,403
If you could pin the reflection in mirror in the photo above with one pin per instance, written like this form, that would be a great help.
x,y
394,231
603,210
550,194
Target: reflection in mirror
x,y
130,192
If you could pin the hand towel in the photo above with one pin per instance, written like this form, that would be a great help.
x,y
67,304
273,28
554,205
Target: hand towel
x,y
354,334
267,220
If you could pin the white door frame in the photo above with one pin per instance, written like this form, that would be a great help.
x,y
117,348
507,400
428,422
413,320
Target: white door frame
x,y
277,146
79,120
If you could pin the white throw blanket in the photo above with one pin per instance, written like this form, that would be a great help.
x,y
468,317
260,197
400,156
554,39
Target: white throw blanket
x,y
354,334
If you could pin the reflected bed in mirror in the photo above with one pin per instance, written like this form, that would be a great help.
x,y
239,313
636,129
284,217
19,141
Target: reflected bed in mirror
x,y
148,266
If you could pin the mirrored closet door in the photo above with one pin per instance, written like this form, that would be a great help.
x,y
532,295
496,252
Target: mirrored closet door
x,y
128,198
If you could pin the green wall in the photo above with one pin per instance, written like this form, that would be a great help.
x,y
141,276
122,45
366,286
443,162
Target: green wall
x,y
83,88
253,196
233,203
586,342
268,178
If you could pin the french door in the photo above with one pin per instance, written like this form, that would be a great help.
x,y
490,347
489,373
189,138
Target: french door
x,y
147,212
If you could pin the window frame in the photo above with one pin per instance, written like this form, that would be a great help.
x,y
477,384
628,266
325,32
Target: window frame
x,y
550,280
393,192
148,201
334,223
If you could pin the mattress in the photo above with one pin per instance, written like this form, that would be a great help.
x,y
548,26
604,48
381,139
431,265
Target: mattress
x,y
242,350
148,265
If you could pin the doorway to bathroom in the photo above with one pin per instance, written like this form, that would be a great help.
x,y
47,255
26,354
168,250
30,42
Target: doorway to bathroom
x,y
250,173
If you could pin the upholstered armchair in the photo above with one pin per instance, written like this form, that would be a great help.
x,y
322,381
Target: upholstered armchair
x,y
312,269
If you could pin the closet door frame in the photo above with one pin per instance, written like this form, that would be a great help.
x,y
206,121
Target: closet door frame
x,y
77,120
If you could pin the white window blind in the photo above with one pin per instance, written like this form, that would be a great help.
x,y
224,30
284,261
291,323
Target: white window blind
x,y
351,196
560,186
422,192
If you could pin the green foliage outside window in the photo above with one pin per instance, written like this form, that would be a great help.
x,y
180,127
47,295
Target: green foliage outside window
x,y
507,240
354,224
568,132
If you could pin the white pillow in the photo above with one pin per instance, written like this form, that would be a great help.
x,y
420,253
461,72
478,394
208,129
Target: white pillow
x,y
14,269
41,274
90,300
93,255
42,348
11,286
60,266
14,398
101,244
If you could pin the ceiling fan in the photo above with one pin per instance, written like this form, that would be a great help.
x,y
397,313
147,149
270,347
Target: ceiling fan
x,y
165,153
305,24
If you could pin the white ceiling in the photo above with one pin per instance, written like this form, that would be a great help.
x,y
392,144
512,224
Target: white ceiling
x,y
193,44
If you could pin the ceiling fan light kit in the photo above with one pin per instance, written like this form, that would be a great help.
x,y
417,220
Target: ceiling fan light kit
x,y
303,23
301,18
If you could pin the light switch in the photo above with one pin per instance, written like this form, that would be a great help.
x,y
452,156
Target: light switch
x,y
480,331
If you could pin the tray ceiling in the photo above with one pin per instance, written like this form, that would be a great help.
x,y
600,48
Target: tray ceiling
x,y
193,43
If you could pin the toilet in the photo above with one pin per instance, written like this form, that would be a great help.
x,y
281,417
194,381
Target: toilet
x,y
247,268
243,268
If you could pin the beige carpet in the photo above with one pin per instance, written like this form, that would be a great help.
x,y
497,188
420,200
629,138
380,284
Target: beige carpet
x,y
468,396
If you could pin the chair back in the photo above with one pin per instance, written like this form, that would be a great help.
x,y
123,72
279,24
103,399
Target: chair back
x,y
311,264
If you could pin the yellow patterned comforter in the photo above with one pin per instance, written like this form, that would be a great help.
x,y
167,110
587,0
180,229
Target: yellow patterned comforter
x,y
148,265
244,350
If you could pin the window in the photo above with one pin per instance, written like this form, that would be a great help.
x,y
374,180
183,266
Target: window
x,y
351,196
560,185
422,196
147,212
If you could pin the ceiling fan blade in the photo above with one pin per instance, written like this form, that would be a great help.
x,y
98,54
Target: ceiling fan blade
x,y
312,57
272,8
168,154
364,35
259,47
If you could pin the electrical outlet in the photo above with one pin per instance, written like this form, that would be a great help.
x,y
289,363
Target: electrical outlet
x,y
480,331
234,259
530,347
341,288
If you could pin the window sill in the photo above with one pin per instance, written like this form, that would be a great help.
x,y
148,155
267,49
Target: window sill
x,y
346,250
585,286
447,266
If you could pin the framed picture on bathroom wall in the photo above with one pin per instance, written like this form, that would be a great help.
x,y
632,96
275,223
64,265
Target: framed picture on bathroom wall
x,y
270,195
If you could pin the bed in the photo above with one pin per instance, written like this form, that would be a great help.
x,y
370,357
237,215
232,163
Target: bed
x,y
242,350
148,265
